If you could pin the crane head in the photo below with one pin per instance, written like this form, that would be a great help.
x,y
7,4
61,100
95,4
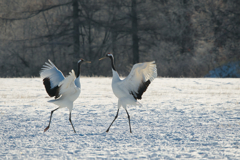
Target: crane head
x,y
82,60
108,55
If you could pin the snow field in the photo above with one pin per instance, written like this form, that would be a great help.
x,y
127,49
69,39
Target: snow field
x,y
180,118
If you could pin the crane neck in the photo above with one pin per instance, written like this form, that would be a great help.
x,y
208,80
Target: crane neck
x,y
78,70
112,63
115,73
77,80
115,76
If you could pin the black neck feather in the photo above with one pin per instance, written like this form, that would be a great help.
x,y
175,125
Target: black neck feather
x,y
78,69
112,63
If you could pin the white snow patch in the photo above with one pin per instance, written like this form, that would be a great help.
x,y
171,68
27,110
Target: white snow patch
x,y
180,118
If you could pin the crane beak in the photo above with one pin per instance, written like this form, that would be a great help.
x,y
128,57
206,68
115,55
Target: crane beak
x,y
102,58
87,61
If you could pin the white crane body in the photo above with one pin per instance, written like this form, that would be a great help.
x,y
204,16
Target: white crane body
x,y
133,86
65,89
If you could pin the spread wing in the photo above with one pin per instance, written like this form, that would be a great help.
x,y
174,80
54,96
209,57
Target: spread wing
x,y
67,86
52,76
138,80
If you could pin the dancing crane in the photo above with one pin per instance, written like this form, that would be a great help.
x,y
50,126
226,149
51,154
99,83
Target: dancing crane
x,y
65,89
132,87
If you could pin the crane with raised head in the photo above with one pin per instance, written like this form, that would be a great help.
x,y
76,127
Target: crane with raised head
x,y
130,89
65,89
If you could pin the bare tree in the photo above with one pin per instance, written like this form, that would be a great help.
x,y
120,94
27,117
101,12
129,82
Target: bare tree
x,y
185,38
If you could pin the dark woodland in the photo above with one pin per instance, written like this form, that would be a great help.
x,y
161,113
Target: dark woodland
x,y
186,38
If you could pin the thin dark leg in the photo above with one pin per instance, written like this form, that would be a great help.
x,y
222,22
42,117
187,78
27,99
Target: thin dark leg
x,y
50,120
129,121
113,120
71,122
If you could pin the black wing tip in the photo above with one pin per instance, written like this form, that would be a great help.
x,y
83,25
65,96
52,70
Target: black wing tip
x,y
142,88
51,92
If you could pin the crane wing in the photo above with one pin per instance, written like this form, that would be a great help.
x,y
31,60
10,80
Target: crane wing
x,y
52,76
138,80
68,85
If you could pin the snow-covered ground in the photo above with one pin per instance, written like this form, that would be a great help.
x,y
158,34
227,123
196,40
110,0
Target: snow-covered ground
x,y
180,118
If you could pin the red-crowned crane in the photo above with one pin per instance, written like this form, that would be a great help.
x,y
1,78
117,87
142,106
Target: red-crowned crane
x,y
65,89
132,87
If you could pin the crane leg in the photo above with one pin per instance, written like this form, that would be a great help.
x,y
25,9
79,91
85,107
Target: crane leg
x,y
129,121
71,122
50,120
113,120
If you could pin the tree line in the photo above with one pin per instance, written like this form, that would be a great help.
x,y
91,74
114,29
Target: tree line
x,y
186,38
